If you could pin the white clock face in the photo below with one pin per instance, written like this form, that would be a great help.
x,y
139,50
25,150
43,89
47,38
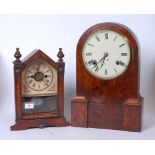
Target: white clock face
x,y
106,54
39,76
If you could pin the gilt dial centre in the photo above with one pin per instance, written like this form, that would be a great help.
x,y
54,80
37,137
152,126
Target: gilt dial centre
x,y
39,76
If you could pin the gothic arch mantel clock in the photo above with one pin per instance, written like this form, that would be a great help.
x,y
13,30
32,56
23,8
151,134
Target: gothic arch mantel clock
x,y
107,84
39,91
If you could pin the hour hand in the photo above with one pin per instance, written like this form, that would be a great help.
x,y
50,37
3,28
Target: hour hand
x,y
102,64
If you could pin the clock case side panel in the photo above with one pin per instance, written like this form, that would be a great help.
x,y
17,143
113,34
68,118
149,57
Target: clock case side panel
x,y
101,93
58,120
60,72
18,89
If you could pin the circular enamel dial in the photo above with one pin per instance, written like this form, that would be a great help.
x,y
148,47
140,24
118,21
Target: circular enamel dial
x,y
39,76
106,54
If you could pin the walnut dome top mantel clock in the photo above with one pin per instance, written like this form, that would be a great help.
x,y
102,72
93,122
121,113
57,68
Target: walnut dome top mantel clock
x,y
39,91
107,84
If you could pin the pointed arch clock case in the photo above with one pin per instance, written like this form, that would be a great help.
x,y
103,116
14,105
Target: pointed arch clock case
x,y
39,90
107,79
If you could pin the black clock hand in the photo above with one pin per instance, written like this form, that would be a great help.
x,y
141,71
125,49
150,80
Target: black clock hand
x,y
103,58
102,63
98,62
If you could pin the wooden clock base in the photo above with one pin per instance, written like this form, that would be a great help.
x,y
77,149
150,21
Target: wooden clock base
x,y
39,123
126,116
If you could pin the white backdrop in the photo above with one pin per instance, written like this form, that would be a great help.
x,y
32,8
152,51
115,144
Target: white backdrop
x,y
48,33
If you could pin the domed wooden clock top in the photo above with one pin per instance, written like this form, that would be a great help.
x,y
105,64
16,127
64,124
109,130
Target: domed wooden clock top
x,y
107,79
39,91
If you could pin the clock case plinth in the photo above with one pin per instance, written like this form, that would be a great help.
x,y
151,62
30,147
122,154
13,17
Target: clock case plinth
x,y
125,116
45,119
109,104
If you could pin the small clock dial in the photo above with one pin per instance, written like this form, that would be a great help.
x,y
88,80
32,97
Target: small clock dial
x,y
106,54
39,76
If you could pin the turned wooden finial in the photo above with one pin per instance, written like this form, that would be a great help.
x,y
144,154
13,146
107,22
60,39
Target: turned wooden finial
x,y
17,55
60,55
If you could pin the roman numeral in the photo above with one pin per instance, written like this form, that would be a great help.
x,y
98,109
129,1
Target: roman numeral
x,y
47,81
88,54
47,71
106,35
96,69
97,38
92,62
121,45
30,71
121,63
33,85
30,81
115,38
46,84
43,67
34,67
106,72
123,54
115,70
90,45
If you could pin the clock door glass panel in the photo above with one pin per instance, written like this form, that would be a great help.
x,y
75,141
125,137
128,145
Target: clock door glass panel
x,y
39,81
106,54
39,104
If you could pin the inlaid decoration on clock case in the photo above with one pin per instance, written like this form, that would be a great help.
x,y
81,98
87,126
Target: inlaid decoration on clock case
x,y
107,79
39,91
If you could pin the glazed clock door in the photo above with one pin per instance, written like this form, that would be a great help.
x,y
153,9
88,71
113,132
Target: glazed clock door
x,y
39,89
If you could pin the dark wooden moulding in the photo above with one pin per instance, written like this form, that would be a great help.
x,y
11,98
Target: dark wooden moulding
x,y
110,104
45,119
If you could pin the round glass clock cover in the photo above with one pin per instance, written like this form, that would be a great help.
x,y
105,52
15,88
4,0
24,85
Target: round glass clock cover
x,y
106,54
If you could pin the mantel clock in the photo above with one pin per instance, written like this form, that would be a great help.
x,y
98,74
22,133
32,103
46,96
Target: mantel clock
x,y
39,91
107,79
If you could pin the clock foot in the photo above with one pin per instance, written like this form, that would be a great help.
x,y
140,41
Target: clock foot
x,y
79,112
39,123
132,114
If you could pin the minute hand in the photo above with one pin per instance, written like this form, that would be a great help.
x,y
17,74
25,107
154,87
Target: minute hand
x,y
103,58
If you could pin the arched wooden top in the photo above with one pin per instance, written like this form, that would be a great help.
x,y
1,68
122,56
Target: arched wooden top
x,y
120,88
